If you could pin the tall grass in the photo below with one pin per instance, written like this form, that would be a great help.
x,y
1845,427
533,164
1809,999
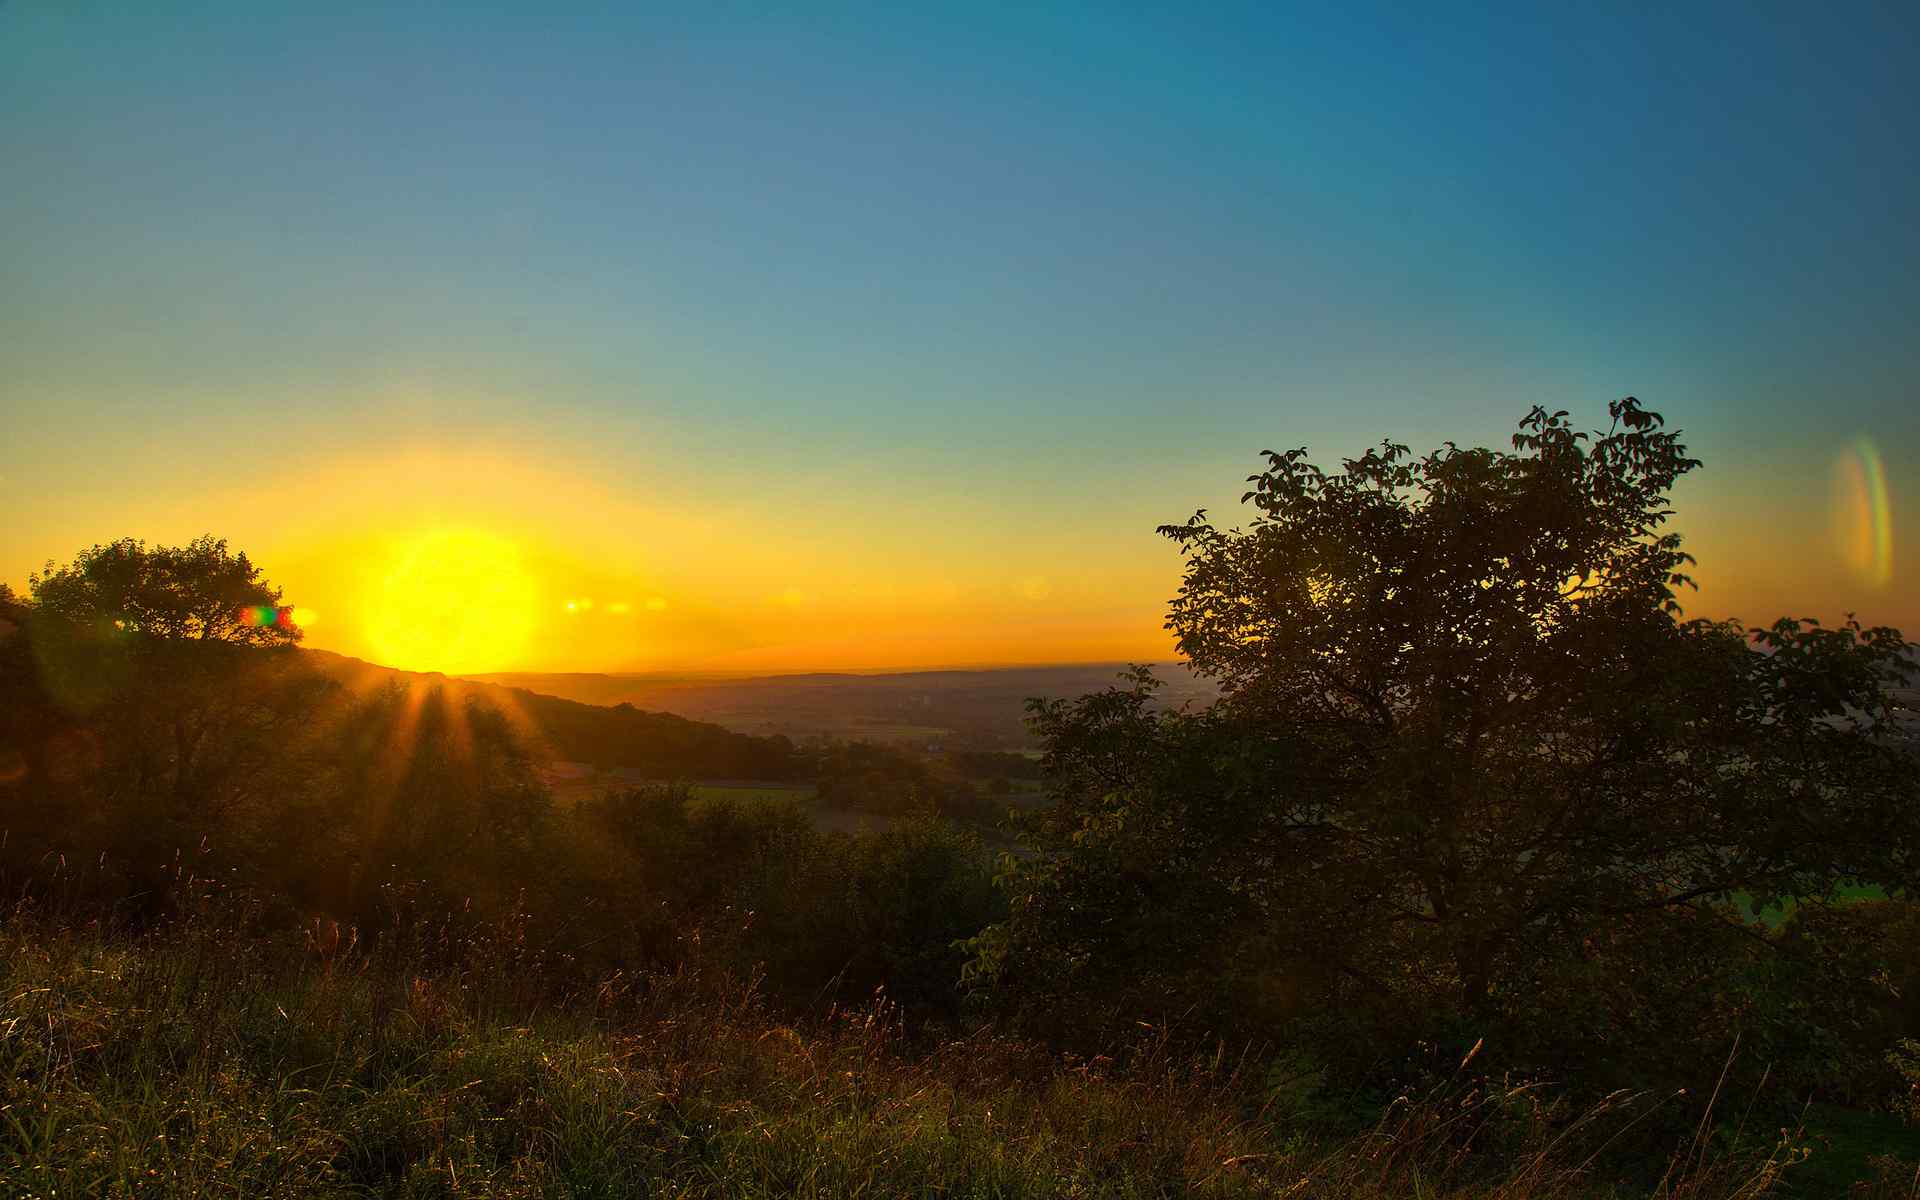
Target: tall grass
x,y
204,1060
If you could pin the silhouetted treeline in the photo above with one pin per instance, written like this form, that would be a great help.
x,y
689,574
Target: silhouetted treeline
x,y
143,765
1473,774
881,779
1475,791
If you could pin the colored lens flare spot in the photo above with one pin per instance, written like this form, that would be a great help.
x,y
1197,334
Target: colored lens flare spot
x,y
1863,514
266,616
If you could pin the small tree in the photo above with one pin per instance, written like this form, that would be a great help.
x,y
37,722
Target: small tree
x,y
151,720
198,591
1462,728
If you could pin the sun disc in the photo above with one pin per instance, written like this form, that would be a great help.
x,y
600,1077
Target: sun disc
x,y
456,601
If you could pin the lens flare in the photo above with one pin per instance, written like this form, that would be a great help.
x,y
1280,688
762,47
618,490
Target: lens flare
x,y
1863,515
266,616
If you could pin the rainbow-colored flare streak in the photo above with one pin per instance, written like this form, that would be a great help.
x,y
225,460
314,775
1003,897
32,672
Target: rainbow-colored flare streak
x,y
1864,514
267,615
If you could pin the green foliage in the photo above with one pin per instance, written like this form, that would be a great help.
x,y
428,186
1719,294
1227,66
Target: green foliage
x,y
1470,774
1840,993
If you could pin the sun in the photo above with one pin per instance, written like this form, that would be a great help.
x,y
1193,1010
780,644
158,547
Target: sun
x,y
451,600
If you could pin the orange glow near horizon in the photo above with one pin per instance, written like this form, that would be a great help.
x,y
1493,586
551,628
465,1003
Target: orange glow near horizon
x,y
464,557
477,559
887,344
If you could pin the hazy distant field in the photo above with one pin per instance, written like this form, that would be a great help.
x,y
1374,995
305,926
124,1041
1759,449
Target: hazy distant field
x,y
954,709
753,791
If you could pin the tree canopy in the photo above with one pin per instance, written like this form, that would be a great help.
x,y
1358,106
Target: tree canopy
x,y
198,591
1466,736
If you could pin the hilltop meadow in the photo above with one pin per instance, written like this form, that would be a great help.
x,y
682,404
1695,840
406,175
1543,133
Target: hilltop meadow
x,y
1444,884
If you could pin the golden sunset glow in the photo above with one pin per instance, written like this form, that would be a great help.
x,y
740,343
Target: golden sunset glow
x,y
785,405
452,600
933,598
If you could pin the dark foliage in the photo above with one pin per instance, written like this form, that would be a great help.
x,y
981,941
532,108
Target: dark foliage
x,y
886,781
171,754
1471,775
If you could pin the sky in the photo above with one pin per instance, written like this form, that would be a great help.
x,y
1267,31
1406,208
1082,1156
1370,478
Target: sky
x,y
764,338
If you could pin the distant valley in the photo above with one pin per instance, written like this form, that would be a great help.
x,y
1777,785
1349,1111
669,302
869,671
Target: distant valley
x,y
978,709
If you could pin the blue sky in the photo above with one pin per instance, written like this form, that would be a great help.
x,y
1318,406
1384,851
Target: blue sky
x,y
1022,281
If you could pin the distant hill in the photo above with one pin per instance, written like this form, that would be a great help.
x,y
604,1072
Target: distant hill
x,y
983,710
622,735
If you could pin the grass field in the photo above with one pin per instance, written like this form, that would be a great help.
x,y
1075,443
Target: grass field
x,y
208,1064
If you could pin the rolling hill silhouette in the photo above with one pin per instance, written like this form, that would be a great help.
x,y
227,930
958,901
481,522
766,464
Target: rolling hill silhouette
x,y
959,709
657,743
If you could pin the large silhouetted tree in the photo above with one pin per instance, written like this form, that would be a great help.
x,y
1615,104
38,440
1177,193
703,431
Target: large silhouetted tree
x,y
1465,737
